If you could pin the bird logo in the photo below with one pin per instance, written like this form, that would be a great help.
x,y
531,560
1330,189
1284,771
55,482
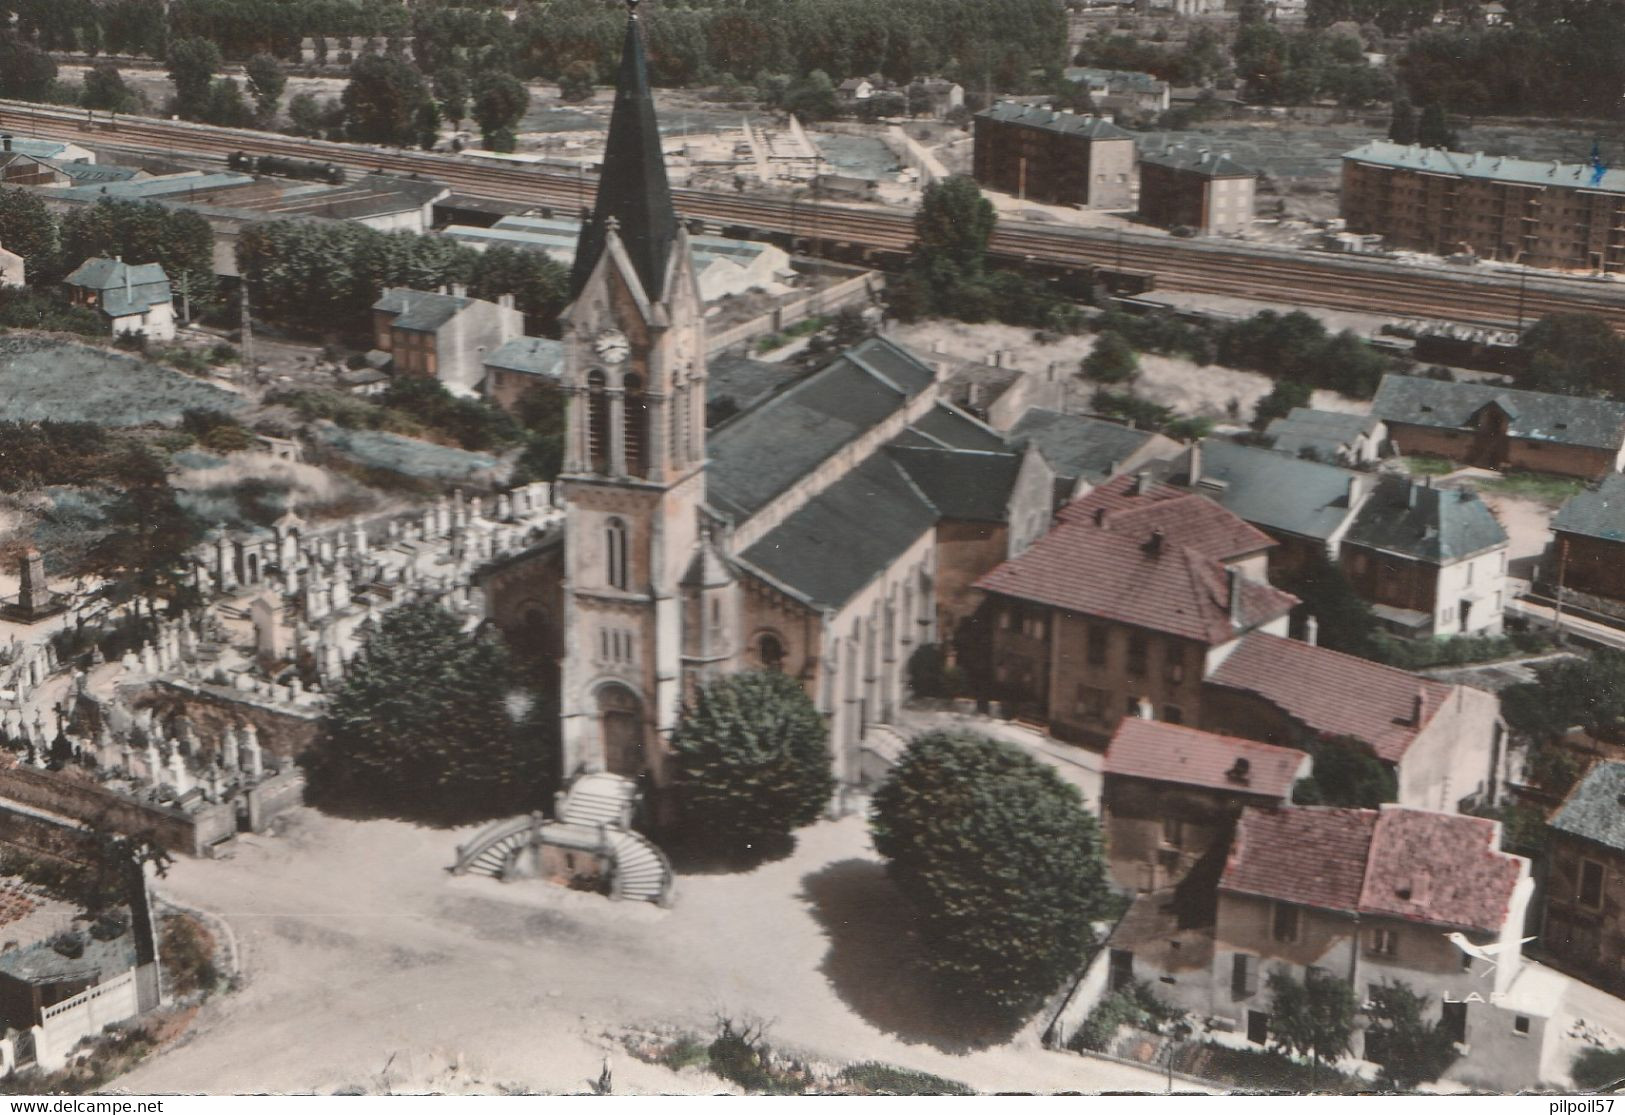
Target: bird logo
x,y
1488,953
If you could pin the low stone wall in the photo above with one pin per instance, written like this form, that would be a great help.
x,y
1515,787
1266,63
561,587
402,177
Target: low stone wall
x,y
41,836
173,829
284,731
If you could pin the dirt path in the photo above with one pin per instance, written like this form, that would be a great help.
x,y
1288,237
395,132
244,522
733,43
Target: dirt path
x,y
362,952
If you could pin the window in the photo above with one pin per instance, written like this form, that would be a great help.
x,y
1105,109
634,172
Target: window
x,y
1096,645
1284,923
1590,884
635,420
771,652
1173,832
1244,975
1453,1022
1131,706
597,423
1136,654
615,553
1173,665
1383,942
1091,703
1173,714
1520,1024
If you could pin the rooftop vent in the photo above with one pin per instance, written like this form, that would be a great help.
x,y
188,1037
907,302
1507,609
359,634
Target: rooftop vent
x,y
1153,544
1240,773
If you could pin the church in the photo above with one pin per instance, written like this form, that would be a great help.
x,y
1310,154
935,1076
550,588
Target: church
x,y
827,530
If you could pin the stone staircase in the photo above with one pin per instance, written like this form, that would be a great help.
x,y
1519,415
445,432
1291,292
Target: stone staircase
x,y
879,751
599,799
642,872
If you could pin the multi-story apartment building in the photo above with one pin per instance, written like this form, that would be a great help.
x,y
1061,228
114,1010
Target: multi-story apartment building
x,y
1057,157
1196,188
1568,216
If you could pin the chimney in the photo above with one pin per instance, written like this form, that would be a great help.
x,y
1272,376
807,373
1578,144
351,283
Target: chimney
x,y
127,292
1418,702
1234,584
1410,494
1196,464
1153,545
1100,516
1142,483
1355,488
6,140
1240,773
459,290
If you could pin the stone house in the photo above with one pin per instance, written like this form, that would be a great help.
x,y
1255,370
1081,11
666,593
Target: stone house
x,y
522,365
1197,188
1432,561
1445,743
1056,157
131,298
1126,92
1589,541
443,336
1584,927
1329,436
1171,796
1502,428
1123,608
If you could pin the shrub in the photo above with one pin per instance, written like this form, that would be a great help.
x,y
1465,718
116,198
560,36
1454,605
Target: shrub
x,y
186,951
1598,1068
875,1078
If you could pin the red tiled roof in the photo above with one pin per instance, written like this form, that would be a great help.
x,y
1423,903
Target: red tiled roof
x,y
1439,868
1310,856
1111,570
1171,753
1332,693
1186,519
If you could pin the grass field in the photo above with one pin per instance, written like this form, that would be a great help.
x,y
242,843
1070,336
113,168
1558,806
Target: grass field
x,y
1539,486
42,378
407,456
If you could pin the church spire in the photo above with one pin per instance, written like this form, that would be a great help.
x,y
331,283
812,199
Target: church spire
x,y
632,186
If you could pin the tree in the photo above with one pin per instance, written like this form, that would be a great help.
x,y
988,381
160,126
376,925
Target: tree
x,y
1112,360
1575,354
812,97
26,72
451,87
421,726
227,106
753,761
540,285
381,100
1587,693
146,232
192,64
29,229
1409,1050
499,103
148,535
576,81
1346,773
266,81
427,124
953,225
104,88
1000,862
1282,398
1402,125
305,116
1433,130
1313,1019
1344,620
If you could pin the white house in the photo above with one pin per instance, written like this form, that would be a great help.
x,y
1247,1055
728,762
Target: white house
x,y
132,298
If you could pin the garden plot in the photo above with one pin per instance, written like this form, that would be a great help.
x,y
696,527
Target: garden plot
x,y
44,379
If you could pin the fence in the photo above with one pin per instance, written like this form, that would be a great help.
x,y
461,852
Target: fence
x,y
911,153
858,289
66,1023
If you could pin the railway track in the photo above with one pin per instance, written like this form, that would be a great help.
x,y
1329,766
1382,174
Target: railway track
x,y
1205,267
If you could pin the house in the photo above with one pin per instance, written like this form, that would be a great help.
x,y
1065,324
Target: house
x,y
1124,607
1194,187
131,298
1057,157
1500,427
53,149
13,269
1431,561
521,366
855,89
18,169
1171,795
935,97
443,335
1589,541
1305,506
1331,437
1085,451
1125,92
1444,743
1584,927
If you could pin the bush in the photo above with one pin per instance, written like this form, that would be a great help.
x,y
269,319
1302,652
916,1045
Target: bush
x,y
70,945
186,951
1595,1069
874,1078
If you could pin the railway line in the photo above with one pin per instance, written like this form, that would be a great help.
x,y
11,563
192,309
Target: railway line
x,y
882,237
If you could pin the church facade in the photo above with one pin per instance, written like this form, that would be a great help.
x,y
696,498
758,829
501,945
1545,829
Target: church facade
x,y
807,533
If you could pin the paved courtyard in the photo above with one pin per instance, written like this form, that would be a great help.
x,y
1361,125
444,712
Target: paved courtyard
x,y
367,966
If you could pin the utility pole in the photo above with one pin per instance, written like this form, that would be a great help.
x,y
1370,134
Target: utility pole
x,y
248,332
186,297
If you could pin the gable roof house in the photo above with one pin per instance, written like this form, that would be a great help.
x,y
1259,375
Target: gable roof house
x,y
1584,928
1589,548
131,298
445,336
1085,451
1501,427
1330,436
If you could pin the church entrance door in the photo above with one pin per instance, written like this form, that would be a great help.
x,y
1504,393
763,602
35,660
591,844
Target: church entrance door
x,y
620,719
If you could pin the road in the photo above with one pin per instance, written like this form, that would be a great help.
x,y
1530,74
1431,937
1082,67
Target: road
x,y
361,952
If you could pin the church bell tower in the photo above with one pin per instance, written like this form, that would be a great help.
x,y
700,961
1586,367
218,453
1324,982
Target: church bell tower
x,y
633,479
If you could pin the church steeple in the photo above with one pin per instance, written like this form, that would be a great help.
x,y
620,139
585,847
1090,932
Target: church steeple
x,y
632,186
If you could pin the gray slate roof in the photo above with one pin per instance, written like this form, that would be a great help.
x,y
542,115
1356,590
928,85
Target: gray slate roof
x,y
1595,809
1495,168
969,485
763,452
1277,492
536,356
745,381
1113,80
424,310
124,288
1078,446
1327,432
1440,525
1597,512
1067,123
1198,160
1535,415
101,960
832,547
948,427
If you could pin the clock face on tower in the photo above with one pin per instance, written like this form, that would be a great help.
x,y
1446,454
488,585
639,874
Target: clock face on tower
x,y
611,346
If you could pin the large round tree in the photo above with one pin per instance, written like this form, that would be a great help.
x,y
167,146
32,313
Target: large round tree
x,y
422,727
753,763
1000,861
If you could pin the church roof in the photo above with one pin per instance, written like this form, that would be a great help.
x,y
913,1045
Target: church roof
x,y
632,186
970,485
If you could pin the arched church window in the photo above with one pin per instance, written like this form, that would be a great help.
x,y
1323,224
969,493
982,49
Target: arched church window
x,y
637,420
597,422
679,404
770,650
615,553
